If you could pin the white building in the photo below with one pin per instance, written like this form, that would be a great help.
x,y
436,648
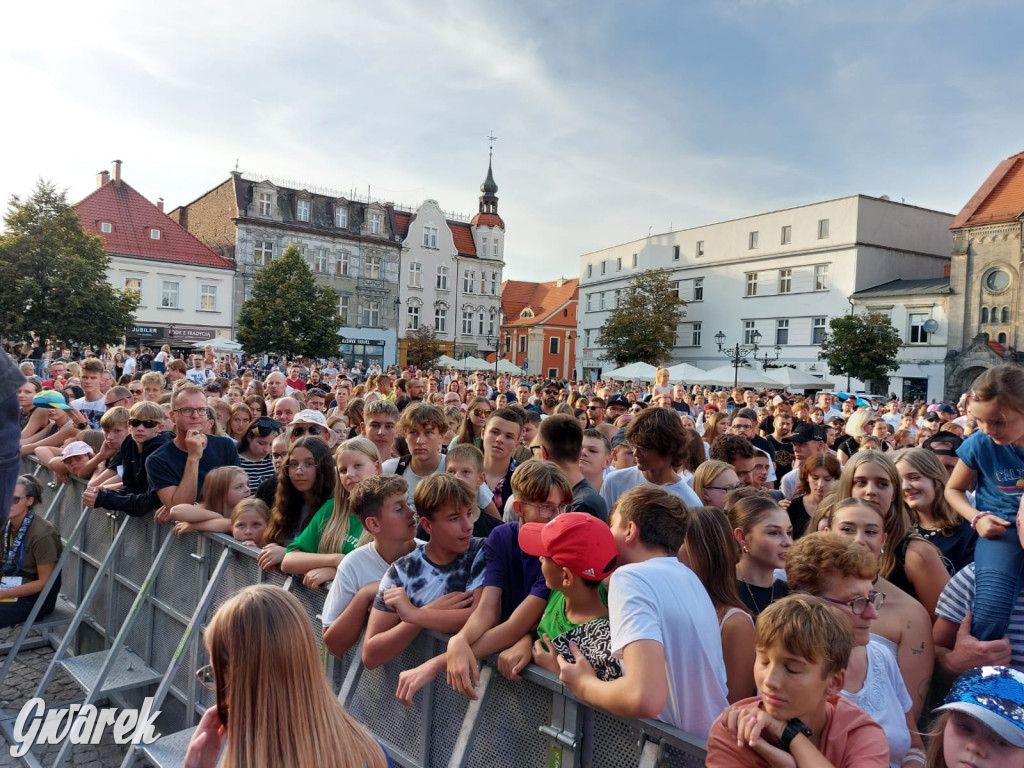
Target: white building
x,y
451,275
919,311
782,274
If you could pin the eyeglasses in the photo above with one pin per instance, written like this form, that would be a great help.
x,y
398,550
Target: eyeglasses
x,y
858,604
724,488
205,677
113,403
311,429
593,407
637,448
293,467
147,423
554,509
187,411
16,499
136,391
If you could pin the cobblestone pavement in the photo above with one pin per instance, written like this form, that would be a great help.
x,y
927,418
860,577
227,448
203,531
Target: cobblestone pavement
x,y
18,688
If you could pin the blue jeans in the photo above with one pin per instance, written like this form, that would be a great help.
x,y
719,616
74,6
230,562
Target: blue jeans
x,y
998,578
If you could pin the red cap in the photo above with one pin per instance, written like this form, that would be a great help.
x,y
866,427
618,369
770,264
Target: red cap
x,y
574,540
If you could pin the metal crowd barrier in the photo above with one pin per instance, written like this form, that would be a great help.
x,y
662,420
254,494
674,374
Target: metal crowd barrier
x,y
142,597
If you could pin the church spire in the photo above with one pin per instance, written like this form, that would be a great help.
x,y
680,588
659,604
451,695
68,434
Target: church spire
x,y
489,198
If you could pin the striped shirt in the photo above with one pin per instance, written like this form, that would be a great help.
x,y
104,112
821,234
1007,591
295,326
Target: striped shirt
x,y
258,471
958,597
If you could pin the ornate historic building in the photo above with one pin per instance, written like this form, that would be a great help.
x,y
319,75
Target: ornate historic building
x,y
985,275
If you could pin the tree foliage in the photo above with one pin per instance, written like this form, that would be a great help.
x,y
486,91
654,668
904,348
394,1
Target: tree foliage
x,y
289,313
642,327
422,348
53,275
863,347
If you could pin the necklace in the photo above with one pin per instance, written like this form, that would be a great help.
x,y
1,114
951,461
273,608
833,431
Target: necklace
x,y
753,599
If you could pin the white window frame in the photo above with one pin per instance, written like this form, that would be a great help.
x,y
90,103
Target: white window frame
x,y
265,203
749,326
441,319
916,334
376,223
413,314
675,253
785,281
373,266
321,261
261,255
467,322
341,216
344,307
522,342
480,323
415,274
494,248
601,300
344,264
752,241
371,314
698,289
782,332
821,277
494,283
590,302
787,234
751,284
303,210
441,282
154,233
699,248
695,334
586,337
170,294
590,270
819,325
207,297
429,236
468,280
823,228
136,290
634,260
106,227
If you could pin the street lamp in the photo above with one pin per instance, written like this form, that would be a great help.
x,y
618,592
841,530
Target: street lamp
x,y
766,359
739,354
495,341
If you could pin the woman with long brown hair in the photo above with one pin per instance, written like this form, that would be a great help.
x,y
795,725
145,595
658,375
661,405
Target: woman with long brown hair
x,y
274,704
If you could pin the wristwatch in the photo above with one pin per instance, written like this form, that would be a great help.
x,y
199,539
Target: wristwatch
x,y
793,727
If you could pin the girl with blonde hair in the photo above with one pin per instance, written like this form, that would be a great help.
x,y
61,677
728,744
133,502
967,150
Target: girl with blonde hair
x,y
274,704
223,488
333,532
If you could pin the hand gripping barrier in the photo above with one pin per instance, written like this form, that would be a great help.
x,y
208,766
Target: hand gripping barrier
x,y
142,597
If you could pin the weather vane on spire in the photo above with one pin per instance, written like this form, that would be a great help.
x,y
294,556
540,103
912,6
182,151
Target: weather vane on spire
x,y
491,138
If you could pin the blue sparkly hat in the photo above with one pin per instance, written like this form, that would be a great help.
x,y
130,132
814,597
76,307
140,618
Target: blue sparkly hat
x,y
995,697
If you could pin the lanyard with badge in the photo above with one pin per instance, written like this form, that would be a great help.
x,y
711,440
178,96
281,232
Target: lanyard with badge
x,y
16,548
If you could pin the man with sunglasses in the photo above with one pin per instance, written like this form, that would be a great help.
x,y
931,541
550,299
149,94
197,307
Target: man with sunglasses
x,y
177,470
146,436
309,422
548,398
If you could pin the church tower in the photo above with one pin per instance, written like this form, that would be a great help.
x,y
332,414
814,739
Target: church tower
x,y
488,227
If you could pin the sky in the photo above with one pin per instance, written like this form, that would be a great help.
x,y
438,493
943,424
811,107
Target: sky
x,y
614,119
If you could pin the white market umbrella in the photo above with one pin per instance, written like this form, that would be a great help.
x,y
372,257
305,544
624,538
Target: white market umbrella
x,y
444,361
466,363
684,372
744,376
791,378
507,366
633,371
219,345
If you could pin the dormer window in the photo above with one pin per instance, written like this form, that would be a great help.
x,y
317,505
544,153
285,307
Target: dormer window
x,y
264,204
340,216
106,227
154,234
302,210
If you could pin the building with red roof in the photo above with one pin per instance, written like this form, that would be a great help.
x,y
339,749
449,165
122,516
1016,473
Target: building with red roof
x,y
985,278
540,326
452,275
185,287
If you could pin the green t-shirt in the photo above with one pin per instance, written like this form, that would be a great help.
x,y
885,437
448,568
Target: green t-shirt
x,y
309,539
554,622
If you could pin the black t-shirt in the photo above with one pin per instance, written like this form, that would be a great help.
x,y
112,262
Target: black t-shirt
x,y
586,499
680,407
782,455
167,464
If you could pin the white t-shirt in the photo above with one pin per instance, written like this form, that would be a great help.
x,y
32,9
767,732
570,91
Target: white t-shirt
x,y
360,567
92,409
199,376
129,366
884,696
621,480
484,495
663,600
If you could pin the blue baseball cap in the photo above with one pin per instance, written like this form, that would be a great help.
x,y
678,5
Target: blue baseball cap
x,y
50,398
994,696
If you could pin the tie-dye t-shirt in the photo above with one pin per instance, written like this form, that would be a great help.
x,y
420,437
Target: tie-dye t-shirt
x,y
425,581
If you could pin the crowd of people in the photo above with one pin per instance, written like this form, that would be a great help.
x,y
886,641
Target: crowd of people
x,y
798,580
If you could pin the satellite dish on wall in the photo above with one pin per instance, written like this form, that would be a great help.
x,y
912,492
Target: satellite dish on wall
x,y
930,325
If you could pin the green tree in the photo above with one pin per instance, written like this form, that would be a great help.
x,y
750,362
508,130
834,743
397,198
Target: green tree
x,y
862,347
422,348
289,313
642,327
53,275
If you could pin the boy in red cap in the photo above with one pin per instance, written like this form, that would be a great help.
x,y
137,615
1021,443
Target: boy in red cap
x,y
577,552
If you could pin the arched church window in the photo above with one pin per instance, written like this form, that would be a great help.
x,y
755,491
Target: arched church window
x,y
1005,318
984,314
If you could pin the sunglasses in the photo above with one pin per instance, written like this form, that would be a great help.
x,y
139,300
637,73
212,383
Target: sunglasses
x,y
312,429
16,499
114,403
481,412
147,423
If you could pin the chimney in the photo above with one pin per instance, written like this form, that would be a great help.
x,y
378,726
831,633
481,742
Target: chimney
x,y
945,270
160,204
102,178
115,171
